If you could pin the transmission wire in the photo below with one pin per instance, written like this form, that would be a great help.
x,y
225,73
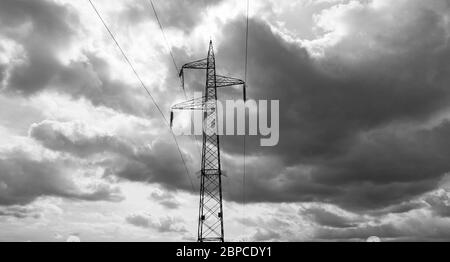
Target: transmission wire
x,y
145,88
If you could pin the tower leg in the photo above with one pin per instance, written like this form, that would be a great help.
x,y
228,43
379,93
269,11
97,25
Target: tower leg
x,y
211,210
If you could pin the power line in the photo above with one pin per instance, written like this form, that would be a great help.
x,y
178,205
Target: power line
x,y
145,88
244,198
127,60
246,42
169,48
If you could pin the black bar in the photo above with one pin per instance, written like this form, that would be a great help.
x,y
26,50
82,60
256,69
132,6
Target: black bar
x,y
211,251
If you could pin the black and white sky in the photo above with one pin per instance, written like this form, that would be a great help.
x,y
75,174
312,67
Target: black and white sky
x,y
364,91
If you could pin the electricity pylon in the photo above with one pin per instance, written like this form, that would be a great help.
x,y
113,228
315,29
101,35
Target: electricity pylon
x,y
210,218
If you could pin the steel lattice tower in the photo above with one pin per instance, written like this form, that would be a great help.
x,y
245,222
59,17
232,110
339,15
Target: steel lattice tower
x,y
210,218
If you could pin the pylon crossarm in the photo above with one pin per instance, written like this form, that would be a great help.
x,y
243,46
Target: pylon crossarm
x,y
193,104
224,81
199,64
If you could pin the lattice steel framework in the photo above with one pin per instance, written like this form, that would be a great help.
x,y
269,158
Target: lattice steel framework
x,y
210,217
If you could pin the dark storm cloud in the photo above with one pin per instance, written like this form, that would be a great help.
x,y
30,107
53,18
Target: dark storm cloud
x,y
385,232
19,212
163,225
22,180
165,199
71,138
412,229
419,225
401,208
44,29
323,112
2,72
349,131
158,162
138,220
91,79
439,204
380,170
326,218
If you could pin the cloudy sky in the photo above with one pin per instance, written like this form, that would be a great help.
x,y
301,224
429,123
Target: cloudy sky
x,y
364,90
